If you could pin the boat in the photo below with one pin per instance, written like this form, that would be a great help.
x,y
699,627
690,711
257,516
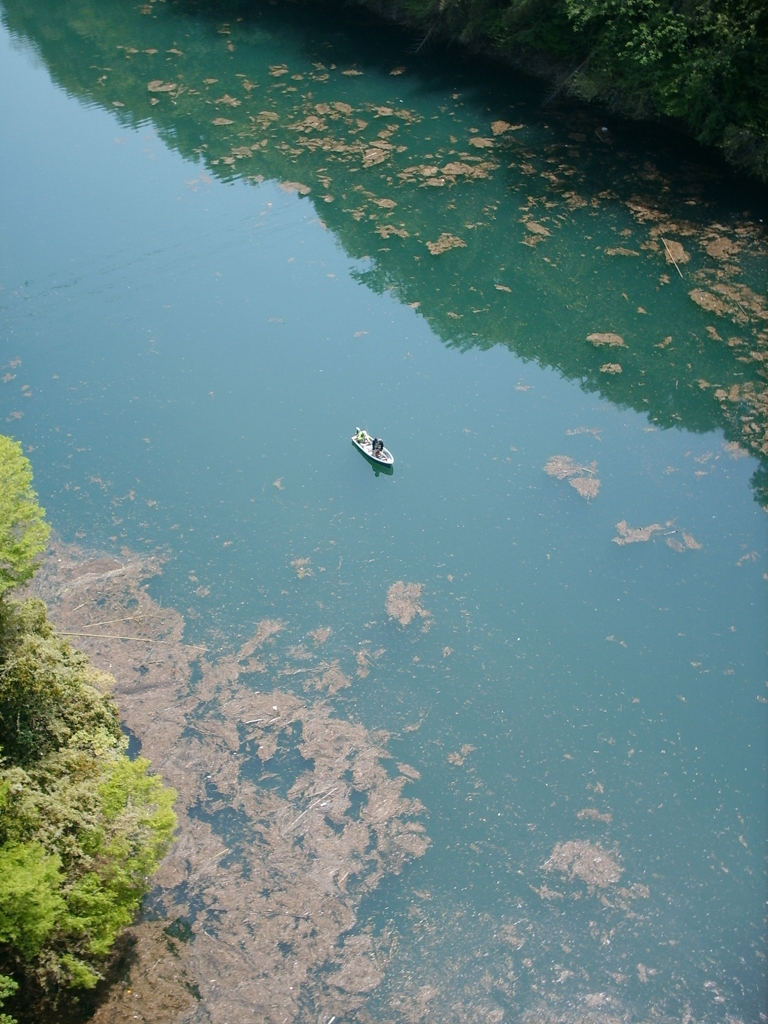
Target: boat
x,y
379,455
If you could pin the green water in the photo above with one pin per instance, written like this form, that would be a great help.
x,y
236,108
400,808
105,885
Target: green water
x,y
189,346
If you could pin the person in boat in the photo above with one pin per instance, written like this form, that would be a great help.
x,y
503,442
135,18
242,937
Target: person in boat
x,y
362,436
377,447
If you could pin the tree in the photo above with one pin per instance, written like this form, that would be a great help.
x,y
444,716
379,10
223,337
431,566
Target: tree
x,y
82,827
7,988
23,530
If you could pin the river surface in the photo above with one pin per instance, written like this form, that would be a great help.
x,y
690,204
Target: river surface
x,y
228,239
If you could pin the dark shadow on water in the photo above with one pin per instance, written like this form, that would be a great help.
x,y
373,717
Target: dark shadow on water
x,y
283,768
134,743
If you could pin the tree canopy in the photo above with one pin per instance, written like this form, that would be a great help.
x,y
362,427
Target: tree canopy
x,y
23,530
702,62
82,827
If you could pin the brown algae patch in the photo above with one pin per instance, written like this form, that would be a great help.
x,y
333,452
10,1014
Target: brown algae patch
x,y
562,466
639,535
621,251
612,340
403,602
156,984
500,127
458,757
365,657
634,535
581,478
586,486
320,635
675,252
593,814
587,862
270,863
331,680
444,243
688,543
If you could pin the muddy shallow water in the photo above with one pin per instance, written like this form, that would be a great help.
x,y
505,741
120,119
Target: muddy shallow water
x,y
480,739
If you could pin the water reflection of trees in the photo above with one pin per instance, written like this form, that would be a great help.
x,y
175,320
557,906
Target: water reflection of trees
x,y
557,228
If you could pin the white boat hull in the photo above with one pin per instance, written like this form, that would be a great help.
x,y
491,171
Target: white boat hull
x,y
383,458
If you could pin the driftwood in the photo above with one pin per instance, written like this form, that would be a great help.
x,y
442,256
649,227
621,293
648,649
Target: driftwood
x,y
137,639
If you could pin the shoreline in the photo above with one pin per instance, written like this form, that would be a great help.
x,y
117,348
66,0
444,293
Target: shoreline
x,y
742,149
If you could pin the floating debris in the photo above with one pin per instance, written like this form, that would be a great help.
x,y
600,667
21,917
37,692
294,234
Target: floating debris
x,y
751,556
500,127
459,757
588,862
586,486
722,248
387,230
612,340
581,478
403,602
595,431
365,658
332,680
444,243
593,814
374,156
457,169
158,85
675,253
635,535
735,450
295,186
302,567
263,913
320,635
562,466
265,631
708,301
688,542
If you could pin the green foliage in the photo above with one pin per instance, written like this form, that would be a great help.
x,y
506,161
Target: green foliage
x,y
30,903
48,690
702,62
7,988
82,827
23,531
